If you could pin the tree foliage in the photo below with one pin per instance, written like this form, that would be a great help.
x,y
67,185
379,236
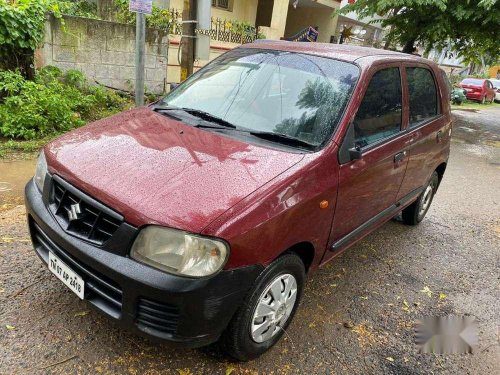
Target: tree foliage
x,y
470,27
21,31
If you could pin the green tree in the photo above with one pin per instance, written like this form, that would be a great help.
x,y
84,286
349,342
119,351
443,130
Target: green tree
x,y
470,27
21,31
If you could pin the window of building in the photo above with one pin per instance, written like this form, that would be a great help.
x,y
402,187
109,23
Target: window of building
x,y
423,95
223,4
379,115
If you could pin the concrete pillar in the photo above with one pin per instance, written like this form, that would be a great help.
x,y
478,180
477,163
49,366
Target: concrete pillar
x,y
278,19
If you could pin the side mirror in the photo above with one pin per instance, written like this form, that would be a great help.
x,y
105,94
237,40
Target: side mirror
x,y
355,153
348,151
173,86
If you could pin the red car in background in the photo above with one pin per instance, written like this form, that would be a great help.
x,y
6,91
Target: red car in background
x,y
478,89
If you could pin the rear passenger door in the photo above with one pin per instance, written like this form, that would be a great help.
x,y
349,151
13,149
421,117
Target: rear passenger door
x,y
428,126
368,187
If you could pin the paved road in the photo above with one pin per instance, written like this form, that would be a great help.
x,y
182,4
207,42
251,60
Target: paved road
x,y
475,126
357,315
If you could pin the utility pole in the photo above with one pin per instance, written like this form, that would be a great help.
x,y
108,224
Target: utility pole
x,y
141,8
140,52
187,40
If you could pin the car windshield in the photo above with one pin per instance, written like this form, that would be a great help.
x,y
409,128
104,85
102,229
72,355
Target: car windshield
x,y
472,81
265,91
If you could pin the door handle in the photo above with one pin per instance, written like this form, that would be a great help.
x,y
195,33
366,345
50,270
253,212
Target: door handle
x,y
439,136
399,157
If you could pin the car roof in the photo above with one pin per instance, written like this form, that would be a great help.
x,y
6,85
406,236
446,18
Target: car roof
x,y
344,52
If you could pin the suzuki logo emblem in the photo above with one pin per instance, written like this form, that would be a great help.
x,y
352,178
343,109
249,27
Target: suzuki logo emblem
x,y
74,213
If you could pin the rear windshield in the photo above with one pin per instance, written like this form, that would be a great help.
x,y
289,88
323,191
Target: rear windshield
x,y
473,81
495,82
293,94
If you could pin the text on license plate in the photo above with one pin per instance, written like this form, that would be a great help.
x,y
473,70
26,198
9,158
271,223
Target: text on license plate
x,y
66,275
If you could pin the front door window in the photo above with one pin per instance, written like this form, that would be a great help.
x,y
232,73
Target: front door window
x,y
379,115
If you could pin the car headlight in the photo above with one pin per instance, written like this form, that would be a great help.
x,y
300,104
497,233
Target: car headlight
x,y
41,171
179,252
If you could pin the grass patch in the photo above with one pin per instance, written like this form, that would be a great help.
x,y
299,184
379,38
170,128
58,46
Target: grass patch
x,y
468,104
11,149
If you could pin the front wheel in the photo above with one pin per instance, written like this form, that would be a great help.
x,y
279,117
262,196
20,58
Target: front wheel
x,y
267,310
414,213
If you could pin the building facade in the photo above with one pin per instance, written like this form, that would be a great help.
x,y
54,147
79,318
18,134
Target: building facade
x,y
104,49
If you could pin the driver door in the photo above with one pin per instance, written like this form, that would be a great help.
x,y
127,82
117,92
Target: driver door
x,y
368,186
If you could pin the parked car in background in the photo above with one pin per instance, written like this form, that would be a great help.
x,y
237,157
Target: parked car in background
x,y
496,87
196,219
478,89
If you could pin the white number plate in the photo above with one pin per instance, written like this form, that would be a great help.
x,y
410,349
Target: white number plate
x,y
66,275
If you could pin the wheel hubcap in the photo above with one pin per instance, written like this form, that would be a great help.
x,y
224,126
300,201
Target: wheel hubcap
x,y
274,308
426,200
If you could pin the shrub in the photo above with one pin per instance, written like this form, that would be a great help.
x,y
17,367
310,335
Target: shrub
x,y
55,102
159,18
80,8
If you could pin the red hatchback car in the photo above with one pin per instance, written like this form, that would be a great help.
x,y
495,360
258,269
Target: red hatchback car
x,y
196,219
478,89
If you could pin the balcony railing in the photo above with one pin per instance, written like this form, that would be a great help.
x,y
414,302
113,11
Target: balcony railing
x,y
223,30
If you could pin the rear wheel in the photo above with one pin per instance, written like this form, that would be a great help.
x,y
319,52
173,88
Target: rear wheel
x,y
267,310
414,214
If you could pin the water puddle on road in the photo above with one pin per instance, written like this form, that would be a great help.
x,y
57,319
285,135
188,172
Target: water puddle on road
x,y
13,177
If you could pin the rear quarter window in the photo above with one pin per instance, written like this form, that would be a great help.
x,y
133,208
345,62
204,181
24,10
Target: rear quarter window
x,y
423,95
447,84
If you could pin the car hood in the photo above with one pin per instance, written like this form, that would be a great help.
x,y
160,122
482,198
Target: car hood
x,y
156,170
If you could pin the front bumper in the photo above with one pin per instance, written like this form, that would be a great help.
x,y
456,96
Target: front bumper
x,y
189,312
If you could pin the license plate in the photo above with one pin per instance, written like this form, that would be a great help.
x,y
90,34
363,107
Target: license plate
x,y
66,275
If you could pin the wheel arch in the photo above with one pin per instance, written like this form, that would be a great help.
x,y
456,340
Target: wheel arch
x,y
304,250
440,171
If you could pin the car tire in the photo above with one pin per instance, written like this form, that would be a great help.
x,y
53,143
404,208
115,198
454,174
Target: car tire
x,y
242,340
414,213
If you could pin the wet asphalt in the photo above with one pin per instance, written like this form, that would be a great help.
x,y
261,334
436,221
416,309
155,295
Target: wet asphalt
x,y
358,313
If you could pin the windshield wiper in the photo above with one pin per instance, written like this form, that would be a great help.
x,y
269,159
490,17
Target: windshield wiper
x,y
165,107
200,114
209,117
283,138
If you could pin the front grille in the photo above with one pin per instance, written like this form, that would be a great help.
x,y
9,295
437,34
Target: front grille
x,y
91,222
101,291
159,317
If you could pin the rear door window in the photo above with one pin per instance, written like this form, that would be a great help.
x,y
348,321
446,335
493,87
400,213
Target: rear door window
x,y
423,95
379,115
